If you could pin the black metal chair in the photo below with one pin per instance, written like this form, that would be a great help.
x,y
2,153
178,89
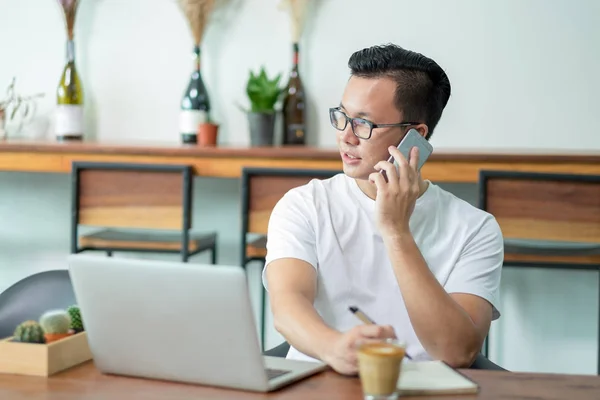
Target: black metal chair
x,y
144,208
482,362
30,297
548,220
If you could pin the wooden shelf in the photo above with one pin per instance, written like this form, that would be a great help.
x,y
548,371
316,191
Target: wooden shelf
x,y
228,161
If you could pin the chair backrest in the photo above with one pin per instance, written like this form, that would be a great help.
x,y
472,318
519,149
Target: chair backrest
x,y
543,206
30,297
126,195
262,188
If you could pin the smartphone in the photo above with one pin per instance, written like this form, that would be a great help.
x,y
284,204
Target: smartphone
x,y
412,139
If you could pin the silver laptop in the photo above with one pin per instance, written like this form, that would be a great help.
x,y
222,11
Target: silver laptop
x,y
176,321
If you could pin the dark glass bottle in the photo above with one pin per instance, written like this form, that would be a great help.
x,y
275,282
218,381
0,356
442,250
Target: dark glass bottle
x,y
294,106
195,105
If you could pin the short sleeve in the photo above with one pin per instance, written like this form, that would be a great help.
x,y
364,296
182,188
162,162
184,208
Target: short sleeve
x,y
291,232
479,267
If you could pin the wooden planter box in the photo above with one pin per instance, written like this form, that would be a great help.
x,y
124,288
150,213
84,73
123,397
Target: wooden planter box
x,y
43,359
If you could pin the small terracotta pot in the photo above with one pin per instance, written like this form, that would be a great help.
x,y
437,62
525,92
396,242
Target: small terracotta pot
x,y
53,337
207,134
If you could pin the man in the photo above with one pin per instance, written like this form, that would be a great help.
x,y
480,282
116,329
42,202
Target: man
x,y
420,262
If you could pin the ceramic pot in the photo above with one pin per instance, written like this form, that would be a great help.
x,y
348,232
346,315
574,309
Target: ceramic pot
x,y
262,128
207,134
53,337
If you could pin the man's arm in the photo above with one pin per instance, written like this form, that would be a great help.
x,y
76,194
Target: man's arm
x,y
292,288
451,327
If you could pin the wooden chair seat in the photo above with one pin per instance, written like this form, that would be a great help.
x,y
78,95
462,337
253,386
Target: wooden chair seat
x,y
551,247
115,239
551,252
257,248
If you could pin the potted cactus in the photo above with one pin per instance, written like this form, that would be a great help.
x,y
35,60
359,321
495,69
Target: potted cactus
x,y
56,325
76,320
208,133
29,332
42,348
263,94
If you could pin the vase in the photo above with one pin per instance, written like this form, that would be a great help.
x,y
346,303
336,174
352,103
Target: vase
x,y
262,128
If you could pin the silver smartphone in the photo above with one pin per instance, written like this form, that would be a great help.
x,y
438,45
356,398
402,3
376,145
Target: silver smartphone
x,y
412,139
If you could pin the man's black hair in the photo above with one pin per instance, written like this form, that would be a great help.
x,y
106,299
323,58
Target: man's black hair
x,y
422,86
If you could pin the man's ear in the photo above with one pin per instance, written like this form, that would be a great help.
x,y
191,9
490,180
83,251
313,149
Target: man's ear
x,y
422,129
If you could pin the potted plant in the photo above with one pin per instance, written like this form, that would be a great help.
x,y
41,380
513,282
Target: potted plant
x,y
207,133
56,325
263,94
54,343
14,103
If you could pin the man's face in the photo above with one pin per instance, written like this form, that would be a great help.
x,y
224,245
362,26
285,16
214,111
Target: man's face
x,y
372,100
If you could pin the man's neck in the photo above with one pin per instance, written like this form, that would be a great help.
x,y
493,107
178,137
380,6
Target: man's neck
x,y
370,190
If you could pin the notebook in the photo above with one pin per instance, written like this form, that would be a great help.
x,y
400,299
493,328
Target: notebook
x,y
431,378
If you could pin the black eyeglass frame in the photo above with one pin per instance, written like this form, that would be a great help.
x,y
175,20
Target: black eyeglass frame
x,y
369,123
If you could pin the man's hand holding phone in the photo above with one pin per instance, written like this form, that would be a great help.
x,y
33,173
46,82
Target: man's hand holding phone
x,y
396,197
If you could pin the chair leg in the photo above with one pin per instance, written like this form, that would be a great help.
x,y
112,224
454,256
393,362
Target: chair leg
x,y
262,317
109,253
214,254
486,346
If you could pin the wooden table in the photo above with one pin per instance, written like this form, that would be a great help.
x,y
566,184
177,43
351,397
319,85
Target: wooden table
x,y
85,383
227,162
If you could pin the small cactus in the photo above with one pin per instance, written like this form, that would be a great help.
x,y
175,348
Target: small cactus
x,y
56,321
29,332
76,321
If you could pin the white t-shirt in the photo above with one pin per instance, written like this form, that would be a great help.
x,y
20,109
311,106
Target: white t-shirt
x,y
331,224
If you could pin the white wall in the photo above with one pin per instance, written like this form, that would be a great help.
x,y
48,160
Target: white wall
x,y
524,74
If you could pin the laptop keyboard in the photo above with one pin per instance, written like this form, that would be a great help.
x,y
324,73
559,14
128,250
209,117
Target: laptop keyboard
x,y
274,373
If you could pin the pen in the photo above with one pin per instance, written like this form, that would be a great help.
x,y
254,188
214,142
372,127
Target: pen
x,y
361,315
367,321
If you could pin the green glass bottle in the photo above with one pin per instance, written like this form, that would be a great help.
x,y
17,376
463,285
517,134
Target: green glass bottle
x,y
69,100
195,105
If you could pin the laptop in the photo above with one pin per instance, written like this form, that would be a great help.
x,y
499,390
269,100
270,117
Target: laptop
x,y
175,321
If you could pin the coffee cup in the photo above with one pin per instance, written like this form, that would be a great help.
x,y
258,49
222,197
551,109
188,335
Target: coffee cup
x,y
379,367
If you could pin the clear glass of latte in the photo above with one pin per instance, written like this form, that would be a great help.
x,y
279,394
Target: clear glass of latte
x,y
379,367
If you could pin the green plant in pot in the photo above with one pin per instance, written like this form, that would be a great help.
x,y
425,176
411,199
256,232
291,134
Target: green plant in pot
x,y
263,94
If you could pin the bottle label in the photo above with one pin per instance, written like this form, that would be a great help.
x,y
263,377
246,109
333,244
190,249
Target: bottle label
x,y
190,119
69,119
296,131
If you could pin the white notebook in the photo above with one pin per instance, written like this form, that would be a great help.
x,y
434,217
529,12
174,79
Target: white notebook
x,y
433,377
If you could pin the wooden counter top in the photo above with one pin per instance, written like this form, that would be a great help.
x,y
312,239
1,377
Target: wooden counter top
x,y
227,161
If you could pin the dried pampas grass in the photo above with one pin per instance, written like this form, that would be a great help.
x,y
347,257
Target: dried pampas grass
x,y
70,10
197,12
297,10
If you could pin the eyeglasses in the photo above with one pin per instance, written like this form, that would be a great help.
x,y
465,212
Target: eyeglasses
x,y
361,128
